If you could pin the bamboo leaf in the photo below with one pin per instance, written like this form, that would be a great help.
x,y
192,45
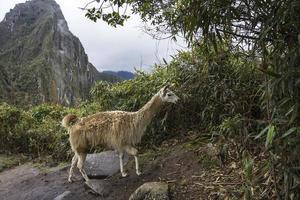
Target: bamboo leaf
x,y
262,132
270,73
290,110
294,114
165,61
290,131
270,135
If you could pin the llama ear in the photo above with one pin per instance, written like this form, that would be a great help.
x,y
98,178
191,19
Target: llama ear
x,y
165,89
167,86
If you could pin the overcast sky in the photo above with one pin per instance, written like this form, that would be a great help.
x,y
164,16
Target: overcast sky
x,y
109,48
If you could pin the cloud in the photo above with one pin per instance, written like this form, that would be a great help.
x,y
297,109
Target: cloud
x,y
109,48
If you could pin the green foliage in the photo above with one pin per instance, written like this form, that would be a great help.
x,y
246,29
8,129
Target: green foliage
x,y
248,167
37,131
130,95
216,85
87,108
207,161
14,124
42,111
231,126
101,92
248,174
49,138
221,90
8,161
113,19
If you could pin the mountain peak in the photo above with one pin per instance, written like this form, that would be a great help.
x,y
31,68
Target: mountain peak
x,y
40,59
27,13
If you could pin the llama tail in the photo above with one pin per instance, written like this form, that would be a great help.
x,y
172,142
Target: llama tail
x,y
69,120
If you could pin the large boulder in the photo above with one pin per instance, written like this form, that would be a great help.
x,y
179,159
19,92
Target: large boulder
x,y
104,164
151,191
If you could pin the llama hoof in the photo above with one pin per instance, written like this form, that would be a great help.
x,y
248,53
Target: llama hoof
x,y
138,173
124,174
70,180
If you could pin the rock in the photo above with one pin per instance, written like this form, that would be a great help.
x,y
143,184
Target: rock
x,y
211,149
62,196
100,187
150,191
103,164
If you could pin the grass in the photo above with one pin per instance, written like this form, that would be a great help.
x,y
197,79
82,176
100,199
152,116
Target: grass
x,y
43,164
208,161
150,155
9,161
196,141
47,164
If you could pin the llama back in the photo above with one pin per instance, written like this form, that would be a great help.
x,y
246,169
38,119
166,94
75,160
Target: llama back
x,y
114,129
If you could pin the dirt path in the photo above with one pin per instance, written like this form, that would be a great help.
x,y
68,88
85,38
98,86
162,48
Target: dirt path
x,y
26,182
182,168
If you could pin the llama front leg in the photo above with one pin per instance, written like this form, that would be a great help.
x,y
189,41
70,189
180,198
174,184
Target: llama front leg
x,y
133,151
137,170
121,155
73,164
80,164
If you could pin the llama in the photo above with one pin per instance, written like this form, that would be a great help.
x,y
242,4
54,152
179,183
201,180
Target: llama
x,y
118,130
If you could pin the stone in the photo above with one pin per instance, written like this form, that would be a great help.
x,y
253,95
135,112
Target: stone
x,y
151,191
62,196
104,164
100,187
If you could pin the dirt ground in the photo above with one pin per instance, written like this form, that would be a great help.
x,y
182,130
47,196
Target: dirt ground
x,y
188,172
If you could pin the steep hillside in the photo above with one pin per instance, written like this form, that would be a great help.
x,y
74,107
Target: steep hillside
x,y
40,59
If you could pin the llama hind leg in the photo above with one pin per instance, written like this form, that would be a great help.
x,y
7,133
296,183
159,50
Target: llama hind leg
x,y
73,164
133,151
80,164
121,155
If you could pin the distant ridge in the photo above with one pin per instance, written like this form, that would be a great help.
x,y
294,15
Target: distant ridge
x,y
124,75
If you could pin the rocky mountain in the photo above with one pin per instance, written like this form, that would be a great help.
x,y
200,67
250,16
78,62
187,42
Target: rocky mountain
x,y
40,59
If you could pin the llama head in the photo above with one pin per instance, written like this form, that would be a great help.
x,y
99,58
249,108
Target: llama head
x,y
167,95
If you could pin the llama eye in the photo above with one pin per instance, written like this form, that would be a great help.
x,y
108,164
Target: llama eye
x,y
169,95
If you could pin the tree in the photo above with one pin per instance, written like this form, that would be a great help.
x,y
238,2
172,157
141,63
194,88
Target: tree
x,y
265,31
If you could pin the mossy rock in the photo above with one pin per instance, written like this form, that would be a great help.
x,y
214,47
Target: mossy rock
x,y
151,191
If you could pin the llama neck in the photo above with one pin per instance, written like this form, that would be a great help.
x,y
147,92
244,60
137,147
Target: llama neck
x,y
149,110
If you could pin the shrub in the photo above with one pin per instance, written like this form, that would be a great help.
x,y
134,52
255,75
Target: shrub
x,y
130,95
14,124
37,131
42,111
